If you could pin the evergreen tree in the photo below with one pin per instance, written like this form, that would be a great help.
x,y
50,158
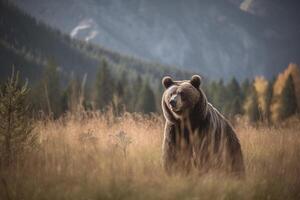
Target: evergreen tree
x,y
51,90
124,90
135,95
233,90
104,87
73,94
233,99
212,92
235,107
268,100
146,102
65,101
245,87
118,101
288,99
221,96
120,89
16,126
252,110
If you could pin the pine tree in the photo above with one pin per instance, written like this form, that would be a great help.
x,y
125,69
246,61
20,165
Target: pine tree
x,y
268,100
65,100
212,92
220,96
288,99
51,90
118,101
146,102
235,107
233,89
16,126
73,94
123,90
104,87
245,87
252,110
233,98
136,90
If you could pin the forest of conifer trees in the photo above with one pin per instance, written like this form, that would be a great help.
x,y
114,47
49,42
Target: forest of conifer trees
x,y
259,100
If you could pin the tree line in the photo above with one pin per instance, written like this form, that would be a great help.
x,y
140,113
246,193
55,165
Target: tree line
x,y
260,100
118,91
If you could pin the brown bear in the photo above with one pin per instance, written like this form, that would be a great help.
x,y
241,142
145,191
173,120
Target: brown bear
x,y
196,134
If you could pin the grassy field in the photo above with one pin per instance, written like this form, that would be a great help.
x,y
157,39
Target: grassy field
x,y
97,157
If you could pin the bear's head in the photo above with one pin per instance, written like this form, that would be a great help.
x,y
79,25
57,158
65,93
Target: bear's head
x,y
181,97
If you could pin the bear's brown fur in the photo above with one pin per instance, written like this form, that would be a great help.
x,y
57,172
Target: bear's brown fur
x,y
196,134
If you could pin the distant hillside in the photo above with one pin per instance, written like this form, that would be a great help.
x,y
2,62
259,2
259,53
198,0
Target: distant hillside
x,y
28,44
219,38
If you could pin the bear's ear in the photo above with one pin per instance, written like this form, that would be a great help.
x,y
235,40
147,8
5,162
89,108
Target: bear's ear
x,y
167,81
196,81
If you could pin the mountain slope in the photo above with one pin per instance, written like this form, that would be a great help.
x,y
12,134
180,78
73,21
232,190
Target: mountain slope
x,y
214,38
29,44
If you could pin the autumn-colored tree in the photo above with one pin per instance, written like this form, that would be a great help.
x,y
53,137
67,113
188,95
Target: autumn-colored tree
x,y
261,86
279,85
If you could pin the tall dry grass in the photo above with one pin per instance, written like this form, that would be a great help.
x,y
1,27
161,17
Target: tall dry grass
x,y
93,156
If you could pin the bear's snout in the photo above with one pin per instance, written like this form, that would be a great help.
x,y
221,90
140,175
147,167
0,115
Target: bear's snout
x,y
173,103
